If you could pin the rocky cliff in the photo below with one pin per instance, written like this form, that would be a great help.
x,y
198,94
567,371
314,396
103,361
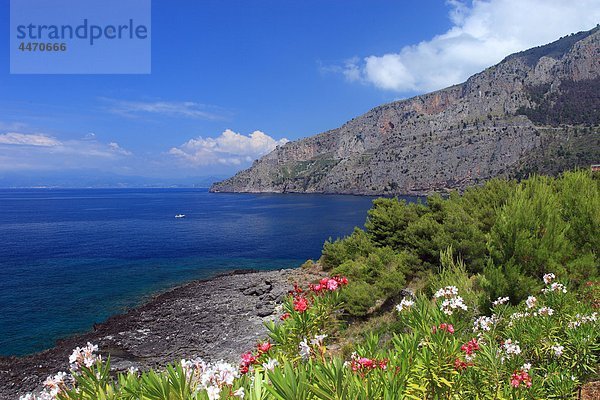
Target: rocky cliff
x,y
536,111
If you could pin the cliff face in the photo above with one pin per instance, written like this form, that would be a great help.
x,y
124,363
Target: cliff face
x,y
504,121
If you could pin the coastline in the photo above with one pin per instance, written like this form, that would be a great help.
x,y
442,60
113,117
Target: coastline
x,y
217,318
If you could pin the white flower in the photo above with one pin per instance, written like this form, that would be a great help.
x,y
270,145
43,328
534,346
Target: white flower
x,y
549,278
511,347
555,287
185,364
222,373
270,364
54,384
500,300
518,315
526,367
545,311
448,291
318,340
558,349
278,310
213,392
484,323
583,319
304,349
240,393
405,304
84,356
450,304
531,300
132,370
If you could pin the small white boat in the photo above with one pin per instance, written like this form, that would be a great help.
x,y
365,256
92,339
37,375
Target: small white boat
x,y
180,216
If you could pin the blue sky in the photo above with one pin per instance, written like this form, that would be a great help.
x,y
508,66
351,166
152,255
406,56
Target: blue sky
x,y
232,79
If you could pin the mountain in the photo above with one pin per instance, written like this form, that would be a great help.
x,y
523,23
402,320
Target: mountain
x,y
536,111
91,178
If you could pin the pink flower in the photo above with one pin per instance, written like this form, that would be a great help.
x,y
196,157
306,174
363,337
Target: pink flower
x,y
300,304
285,316
342,280
324,281
264,347
332,285
520,377
444,327
248,358
460,365
470,347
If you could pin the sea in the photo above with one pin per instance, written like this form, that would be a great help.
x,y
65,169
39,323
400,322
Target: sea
x,y
70,258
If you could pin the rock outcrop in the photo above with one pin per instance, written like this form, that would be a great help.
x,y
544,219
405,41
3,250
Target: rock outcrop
x,y
509,120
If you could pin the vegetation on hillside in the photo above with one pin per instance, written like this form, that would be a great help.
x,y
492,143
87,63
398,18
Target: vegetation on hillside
x,y
508,235
574,103
507,309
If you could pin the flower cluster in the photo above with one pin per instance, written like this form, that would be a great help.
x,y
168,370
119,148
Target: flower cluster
x,y
516,316
484,323
583,319
270,364
531,302
304,349
461,365
363,365
500,300
285,316
470,348
210,377
300,304
56,384
405,304
446,292
84,356
511,348
557,349
444,327
544,311
328,284
452,301
549,278
520,377
555,287
249,359
318,340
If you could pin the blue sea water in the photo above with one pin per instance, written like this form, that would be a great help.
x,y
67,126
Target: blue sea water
x,y
72,257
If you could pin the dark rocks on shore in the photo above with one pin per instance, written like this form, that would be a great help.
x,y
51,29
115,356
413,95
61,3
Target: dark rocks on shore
x,y
213,319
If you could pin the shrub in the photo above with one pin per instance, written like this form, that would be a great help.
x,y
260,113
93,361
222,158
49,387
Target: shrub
x,y
542,348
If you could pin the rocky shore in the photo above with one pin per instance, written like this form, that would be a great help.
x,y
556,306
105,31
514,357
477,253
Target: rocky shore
x,y
214,319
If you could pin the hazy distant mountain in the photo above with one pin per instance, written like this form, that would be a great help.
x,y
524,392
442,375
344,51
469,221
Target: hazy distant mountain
x,y
536,111
96,179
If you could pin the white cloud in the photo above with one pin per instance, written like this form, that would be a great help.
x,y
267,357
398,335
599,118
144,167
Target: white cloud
x,y
229,148
484,32
42,151
28,139
186,109
114,147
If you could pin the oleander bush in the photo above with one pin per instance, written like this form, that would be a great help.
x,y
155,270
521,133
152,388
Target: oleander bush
x,y
542,348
